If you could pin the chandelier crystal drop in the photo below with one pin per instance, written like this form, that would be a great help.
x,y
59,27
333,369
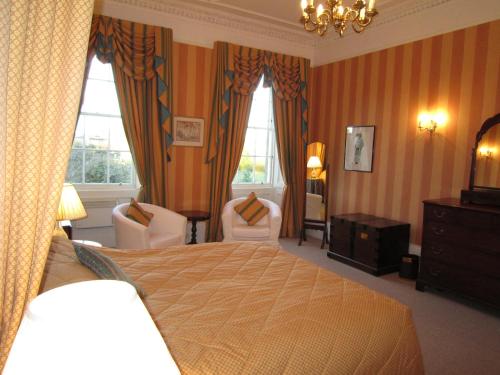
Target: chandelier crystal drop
x,y
335,14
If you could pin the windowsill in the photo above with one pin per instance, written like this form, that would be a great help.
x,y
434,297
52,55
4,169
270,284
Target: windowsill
x,y
252,186
109,192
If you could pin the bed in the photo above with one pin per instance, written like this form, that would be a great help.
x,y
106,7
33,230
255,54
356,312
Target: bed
x,y
253,308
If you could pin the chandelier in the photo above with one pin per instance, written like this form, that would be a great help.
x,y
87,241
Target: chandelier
x,y
335,14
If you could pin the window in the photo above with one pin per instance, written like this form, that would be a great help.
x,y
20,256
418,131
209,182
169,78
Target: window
x,y
100,155
258,163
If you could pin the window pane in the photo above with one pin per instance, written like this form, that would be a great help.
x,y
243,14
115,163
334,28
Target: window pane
x,y
75,168
100,97
261,110
249,146
261,174
261,144
95,167
245,170
96,132
99,70
118,140
120,167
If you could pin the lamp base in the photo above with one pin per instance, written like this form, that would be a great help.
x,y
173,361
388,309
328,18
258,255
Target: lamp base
x,y
64,229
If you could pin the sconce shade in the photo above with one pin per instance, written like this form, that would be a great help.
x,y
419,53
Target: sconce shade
x,y
70,205
314,162
90,327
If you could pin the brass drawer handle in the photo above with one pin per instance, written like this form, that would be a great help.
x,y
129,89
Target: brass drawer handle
x,y
438,230
439,213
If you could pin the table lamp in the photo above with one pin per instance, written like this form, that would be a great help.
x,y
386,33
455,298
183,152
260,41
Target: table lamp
x,y
70,208
91,327
314,164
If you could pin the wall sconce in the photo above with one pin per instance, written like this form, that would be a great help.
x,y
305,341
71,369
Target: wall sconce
x,y
429,122
486,152
314,163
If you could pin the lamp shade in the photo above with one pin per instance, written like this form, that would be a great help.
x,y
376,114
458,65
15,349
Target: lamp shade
x,y
91,327
314,162
70,205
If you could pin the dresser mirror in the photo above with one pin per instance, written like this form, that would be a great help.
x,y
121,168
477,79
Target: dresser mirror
x,y
316,192
484,181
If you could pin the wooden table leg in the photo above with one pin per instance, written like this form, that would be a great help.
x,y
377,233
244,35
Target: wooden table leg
x,y
193,232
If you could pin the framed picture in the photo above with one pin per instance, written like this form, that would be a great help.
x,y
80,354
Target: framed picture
x,y
188,131
359,143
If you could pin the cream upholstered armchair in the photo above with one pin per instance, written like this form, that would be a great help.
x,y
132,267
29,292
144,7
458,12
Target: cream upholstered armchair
x,y
165,229
237,229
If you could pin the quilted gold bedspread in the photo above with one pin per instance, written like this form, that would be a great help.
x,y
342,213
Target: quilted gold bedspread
x,y
253,308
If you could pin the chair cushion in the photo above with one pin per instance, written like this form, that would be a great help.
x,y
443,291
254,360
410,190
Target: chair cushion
x,y
242,232
139,214
251,210
162,240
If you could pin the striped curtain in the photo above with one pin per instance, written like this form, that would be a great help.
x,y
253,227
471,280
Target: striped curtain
x,y
238,71
288,76
141,57
42,58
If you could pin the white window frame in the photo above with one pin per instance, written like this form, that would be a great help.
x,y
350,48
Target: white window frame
x,y
108,188
271,156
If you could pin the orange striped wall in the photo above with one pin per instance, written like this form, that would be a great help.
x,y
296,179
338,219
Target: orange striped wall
x,y
188,175
458,72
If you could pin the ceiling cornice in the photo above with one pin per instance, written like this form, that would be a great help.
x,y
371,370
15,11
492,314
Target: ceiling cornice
x,y
279,30
397,23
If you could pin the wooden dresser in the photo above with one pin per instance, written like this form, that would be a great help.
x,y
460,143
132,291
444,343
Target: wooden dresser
x,y
461,249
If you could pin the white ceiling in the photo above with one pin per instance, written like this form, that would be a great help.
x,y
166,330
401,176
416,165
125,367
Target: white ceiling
x,y
274,24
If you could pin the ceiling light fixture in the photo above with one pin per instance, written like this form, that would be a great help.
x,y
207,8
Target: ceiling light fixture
x,y
335,14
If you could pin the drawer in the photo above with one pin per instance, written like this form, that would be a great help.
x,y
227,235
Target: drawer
x,y
439,232
467,257
471,284
446,276
440,214
466,237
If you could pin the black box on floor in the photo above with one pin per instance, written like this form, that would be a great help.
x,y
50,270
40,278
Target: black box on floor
x,y
409,266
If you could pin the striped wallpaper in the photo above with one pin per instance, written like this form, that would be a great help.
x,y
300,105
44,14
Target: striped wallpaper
x,y
188,175
458,72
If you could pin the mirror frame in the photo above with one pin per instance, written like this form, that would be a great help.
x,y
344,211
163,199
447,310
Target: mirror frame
x,y
313,224
481,194
487,125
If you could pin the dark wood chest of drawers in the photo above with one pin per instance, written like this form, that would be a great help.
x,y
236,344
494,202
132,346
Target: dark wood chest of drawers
x,y
461,249
367,242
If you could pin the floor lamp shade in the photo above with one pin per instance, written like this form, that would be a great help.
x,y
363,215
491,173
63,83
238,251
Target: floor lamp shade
x,y
70,205
92,327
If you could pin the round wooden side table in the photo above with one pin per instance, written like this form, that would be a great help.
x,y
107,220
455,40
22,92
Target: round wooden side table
x,y
194,216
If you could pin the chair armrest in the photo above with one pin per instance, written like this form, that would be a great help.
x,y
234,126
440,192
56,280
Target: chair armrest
x,y
227,221
130,234
274,221
165,220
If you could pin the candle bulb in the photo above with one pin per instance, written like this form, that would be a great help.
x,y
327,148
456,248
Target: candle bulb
x,y
303,5
340,11
320,10
371,4
362,14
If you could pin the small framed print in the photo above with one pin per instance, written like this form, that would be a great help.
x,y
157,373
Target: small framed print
x,y
359,144
188,131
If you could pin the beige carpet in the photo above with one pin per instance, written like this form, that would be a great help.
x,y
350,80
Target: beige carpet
x,y
456,336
